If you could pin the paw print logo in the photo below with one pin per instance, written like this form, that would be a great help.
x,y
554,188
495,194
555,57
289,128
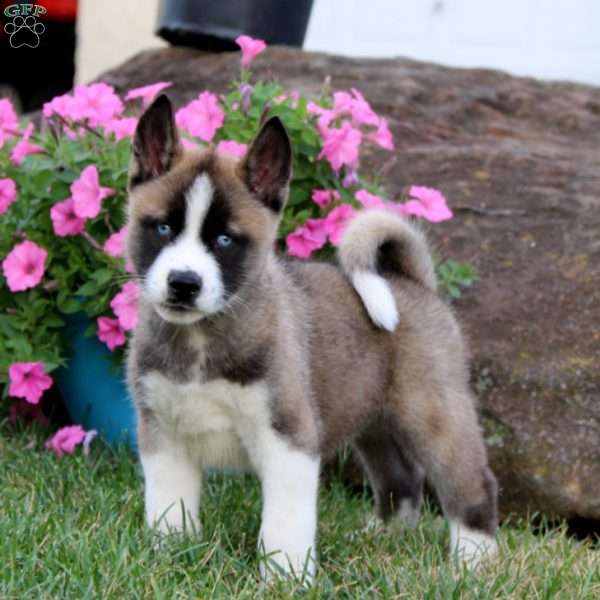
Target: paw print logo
x,y
24,31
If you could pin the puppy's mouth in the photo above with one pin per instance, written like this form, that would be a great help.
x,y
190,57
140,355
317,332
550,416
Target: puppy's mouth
x,y
177,307
179,313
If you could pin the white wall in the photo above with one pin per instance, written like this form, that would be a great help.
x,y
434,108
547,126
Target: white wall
x,y
550,39
110,31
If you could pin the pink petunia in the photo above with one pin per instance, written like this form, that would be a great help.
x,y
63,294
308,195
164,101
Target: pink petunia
x,y
306,239
201,117
231,148
427,203
350,178
361,110
64,220
110,332
147,93
382,136
370,200
8,194
125,305
337,221
246,91
66,439
323,198
340,146
65,106
121,128
24,266
97,103
9,123
88,193
115,244
326,116
251,48
24,147
28,380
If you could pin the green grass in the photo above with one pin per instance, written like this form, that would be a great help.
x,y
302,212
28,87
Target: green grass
x,y
73,528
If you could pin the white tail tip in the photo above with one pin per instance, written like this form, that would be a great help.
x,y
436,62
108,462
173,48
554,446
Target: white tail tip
x,y
377,298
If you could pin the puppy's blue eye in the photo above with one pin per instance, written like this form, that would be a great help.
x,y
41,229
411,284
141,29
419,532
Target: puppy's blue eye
x,y
163,229
224,241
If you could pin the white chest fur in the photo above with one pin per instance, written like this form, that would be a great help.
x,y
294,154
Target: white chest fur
x,y
216,420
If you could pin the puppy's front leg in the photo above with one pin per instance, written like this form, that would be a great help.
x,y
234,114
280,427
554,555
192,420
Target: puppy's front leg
x,y
290,480
172,488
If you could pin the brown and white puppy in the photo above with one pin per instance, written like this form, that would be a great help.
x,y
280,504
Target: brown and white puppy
x,y
245,359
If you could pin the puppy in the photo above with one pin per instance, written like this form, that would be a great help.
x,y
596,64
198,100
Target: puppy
x,y
245,359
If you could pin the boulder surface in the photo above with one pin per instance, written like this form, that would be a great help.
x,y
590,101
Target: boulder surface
x,y
519,161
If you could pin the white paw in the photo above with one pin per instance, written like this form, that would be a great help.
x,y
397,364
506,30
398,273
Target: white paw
x,y
276,565
407,515
471,546
174,519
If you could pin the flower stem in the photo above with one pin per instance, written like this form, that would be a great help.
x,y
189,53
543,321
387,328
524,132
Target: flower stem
x,y
93,243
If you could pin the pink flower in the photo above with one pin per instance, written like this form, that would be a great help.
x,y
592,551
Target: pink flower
x,y
66,106
88,193
326,116
65,440
337,221
251,48
147,92
125,305
201,117
324,197
361,110
25,147
428,203
8,194
306,239
88,439
246,91
24,266
342,103
121,128
64,220
115,244
340,146
110,332
350,178
28,380
370,200
382,136
9,124
232,148
97,103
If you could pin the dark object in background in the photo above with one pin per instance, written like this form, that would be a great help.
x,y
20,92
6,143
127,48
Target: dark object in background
x,y
213,25
34,75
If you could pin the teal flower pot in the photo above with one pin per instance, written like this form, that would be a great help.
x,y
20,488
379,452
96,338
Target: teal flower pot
x,y
93,389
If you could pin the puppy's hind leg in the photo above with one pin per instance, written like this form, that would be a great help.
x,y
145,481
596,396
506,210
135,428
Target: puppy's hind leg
x,y
395,478
444,434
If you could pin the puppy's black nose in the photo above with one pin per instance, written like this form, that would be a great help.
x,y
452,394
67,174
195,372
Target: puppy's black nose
x,y
184,286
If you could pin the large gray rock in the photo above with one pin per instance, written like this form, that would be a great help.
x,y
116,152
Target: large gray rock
x,y
519,161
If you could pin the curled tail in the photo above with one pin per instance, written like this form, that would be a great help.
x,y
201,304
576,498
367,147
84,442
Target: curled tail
x,y
377,246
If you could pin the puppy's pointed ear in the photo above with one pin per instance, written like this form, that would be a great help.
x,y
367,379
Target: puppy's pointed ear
x,y
267,166
155,142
